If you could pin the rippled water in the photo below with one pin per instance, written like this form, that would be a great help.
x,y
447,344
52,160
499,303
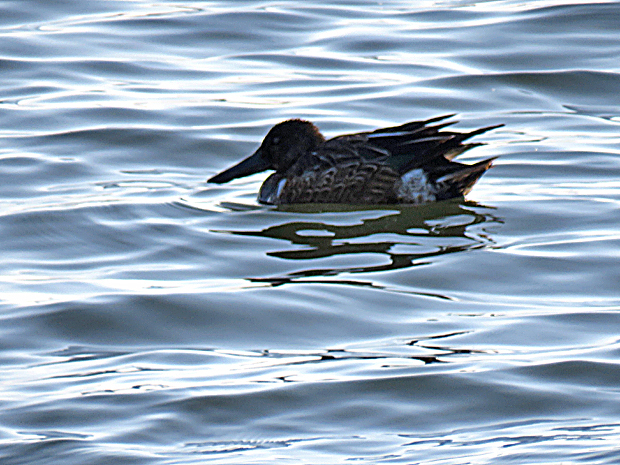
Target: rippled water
x,y
149,317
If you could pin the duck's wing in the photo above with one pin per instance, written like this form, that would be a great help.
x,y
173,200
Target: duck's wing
x,y
417,144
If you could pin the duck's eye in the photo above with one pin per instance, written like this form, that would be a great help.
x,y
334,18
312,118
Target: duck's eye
x,y
275,140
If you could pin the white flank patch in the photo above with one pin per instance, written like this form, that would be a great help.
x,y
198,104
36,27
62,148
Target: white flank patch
x,y
415,188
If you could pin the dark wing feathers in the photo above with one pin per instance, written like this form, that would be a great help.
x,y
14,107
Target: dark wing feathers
x,y
417,144
413,125
423,146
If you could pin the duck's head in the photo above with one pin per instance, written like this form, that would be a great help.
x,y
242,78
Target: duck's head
x,y
282,146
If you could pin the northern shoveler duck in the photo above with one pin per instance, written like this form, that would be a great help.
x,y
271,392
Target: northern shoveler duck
x,y
406,164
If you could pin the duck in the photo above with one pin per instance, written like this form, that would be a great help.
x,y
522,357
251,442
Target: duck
x,y
412,163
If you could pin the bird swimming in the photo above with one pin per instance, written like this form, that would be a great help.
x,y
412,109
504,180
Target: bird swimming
x,y
407,164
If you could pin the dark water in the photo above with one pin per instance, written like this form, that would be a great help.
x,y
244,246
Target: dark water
x,y
150,318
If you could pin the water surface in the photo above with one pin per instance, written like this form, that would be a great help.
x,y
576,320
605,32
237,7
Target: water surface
x,y
149,317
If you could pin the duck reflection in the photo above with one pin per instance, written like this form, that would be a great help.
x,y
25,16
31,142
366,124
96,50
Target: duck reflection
x,y
407,236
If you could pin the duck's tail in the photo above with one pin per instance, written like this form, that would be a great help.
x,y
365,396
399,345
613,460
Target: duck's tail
x,y
461,181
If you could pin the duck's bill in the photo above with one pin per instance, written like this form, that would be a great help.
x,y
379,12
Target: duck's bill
x,y
253,164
